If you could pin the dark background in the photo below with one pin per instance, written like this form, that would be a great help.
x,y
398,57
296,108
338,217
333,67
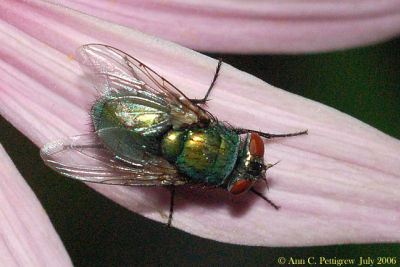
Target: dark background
x,y
364,83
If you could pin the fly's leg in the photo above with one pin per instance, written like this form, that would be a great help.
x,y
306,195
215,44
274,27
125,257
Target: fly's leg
x,y
171,207
268,135
265,198
204,99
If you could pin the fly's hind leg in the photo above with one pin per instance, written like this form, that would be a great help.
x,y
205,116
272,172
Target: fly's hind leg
x,y
268,135
171,207
205,98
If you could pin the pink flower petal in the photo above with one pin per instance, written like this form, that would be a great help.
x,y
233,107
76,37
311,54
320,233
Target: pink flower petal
x,y
339,184
254,26
27,236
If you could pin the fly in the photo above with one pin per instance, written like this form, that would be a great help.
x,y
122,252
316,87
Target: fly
x,y
148,133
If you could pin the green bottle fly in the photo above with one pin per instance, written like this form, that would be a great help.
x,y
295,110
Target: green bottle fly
x,y
148,133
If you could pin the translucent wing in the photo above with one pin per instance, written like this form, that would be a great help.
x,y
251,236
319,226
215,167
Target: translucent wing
x,y
84,158
113,71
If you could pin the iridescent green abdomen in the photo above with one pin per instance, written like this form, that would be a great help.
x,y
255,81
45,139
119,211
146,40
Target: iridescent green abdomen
x,y
205,155
131,125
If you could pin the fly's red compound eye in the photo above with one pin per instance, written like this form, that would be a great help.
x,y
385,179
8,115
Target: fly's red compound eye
x,y
241,186
256,147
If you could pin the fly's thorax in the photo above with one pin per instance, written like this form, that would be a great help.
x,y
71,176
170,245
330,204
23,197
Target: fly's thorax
x,y
250,166
204,155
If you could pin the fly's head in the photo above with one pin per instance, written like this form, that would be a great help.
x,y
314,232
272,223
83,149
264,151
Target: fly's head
x,y
250,166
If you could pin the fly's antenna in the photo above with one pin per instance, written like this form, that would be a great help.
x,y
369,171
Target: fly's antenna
x,y
265,198
266,167
269,165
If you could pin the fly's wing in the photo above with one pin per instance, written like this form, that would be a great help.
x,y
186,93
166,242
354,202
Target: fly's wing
x,y
84,158
113,71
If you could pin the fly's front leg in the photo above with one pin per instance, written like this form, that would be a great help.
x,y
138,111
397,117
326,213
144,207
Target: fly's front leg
x,y
268,135
205,98
265,198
